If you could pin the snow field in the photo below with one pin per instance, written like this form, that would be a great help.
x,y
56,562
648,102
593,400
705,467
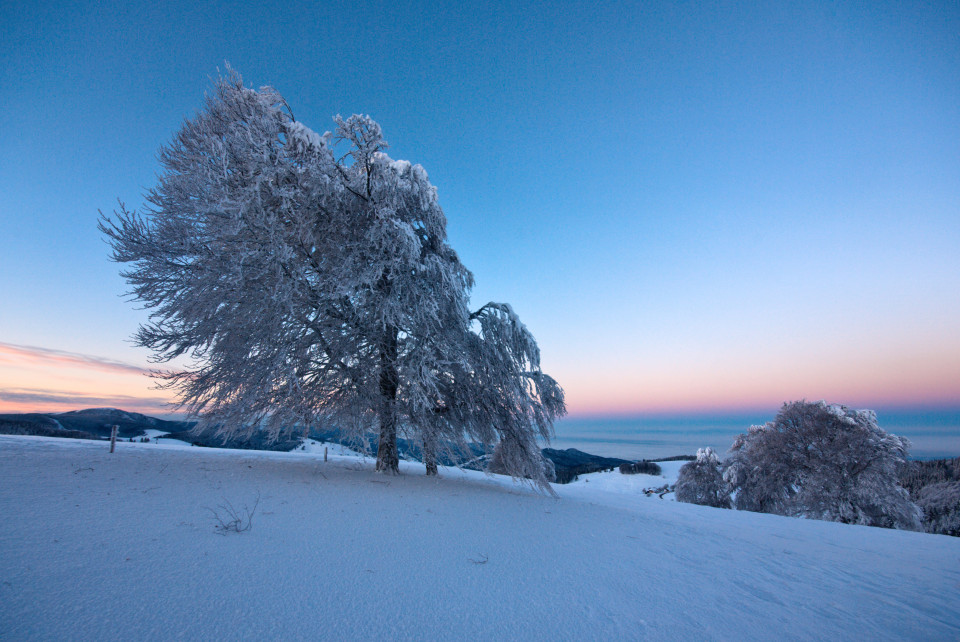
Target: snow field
x,y
632,485
159,438
122,546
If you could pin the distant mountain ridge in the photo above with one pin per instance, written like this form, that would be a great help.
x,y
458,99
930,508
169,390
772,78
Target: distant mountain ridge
x,y
572,462
91,423
96,423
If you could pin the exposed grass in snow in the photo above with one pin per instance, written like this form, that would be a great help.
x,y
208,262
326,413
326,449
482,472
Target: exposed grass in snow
x,y
100,546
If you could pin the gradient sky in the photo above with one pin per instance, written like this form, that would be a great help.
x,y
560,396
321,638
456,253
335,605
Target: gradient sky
x,y
693,206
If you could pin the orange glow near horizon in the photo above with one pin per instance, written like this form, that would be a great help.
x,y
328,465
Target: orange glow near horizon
x,y
891,380
40,380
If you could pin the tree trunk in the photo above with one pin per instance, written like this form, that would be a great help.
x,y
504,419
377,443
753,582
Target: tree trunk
x,y
388,460
429,457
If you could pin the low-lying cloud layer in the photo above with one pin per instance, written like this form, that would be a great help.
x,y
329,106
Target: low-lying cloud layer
x,y
34,379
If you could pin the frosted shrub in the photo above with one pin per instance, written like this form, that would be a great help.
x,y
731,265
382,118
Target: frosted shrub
x,y
701,482
822,461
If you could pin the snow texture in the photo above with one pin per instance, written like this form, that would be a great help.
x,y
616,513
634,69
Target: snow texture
x,y
101,546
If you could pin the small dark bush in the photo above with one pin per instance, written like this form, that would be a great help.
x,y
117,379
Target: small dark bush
x,y
643,467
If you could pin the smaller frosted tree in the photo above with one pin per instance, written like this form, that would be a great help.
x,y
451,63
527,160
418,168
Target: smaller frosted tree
x,y
823,461
701,481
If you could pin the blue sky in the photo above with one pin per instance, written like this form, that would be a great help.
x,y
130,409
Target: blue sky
x,y
693,206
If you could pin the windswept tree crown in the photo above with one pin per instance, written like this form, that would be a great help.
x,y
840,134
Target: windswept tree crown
x,y
308,279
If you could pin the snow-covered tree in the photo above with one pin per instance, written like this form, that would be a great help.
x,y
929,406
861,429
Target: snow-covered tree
x,y
308,279
701,481
822,461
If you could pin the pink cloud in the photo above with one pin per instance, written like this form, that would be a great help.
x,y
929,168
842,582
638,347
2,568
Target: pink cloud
x,y
47,356
41,400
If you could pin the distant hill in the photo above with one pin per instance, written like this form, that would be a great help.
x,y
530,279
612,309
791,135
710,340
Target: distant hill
x,y
39,425
97,423
209,438
572,462
132,424
93,423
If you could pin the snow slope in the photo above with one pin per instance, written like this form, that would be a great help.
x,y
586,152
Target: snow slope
x,y
631,485
122,546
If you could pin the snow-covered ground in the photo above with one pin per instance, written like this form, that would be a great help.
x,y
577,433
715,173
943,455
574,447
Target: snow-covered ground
x,y
159,438
319,447
631,485
123,546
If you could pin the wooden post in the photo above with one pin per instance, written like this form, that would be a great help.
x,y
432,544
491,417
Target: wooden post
x,y
324,453
113,437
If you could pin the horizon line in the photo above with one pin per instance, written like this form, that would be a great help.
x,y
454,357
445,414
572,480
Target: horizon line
x,y
151,407
772,409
